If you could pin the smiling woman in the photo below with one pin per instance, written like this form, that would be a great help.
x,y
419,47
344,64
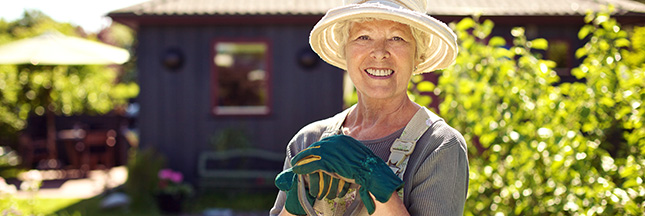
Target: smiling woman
x,y
380,59
381,44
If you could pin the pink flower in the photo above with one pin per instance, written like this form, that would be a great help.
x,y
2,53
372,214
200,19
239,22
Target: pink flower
x,y
165,174
169,174
176,177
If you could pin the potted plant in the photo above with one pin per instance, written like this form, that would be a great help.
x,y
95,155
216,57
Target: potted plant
x,y
171,191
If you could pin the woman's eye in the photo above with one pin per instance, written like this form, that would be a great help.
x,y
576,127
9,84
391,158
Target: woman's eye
x,y
363,37
397,39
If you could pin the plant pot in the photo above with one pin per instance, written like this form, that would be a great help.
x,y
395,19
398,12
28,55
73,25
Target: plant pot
x,y
169,203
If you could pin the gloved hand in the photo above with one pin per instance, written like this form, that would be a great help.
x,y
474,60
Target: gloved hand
x,y
331,188
287,181
322,185
350,159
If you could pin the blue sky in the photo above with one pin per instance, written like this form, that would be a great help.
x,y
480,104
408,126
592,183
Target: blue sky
x,y
89,14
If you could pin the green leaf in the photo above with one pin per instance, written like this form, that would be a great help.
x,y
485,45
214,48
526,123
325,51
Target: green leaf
x,y
486,28
588,127
540,43
584,31
589,17
425,86
607,102
629,183
578,73
581,52
497,41
602,18
487,139
465,24
517,31
503,52
423,100
604,45
623,42
585,112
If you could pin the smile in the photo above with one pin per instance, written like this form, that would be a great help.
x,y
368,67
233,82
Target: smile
x,y
379,72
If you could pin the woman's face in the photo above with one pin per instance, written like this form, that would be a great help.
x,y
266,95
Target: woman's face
x,y
380,58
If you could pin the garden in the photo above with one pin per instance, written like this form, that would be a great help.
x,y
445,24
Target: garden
x,y
540,146
537,145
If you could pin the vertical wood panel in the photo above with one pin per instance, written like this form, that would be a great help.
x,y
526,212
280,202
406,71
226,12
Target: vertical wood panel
x,y
190,99
150,88
176,115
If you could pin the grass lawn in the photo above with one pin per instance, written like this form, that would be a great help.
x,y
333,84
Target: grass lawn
x,y
245,201
260,200
91,207
36,206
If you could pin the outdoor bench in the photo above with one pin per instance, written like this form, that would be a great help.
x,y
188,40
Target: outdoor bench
x,y
239,168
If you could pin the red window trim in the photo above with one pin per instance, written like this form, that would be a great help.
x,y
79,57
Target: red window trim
x,y
269,75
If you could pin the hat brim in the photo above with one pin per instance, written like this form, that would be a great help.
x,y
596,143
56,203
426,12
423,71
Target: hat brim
x,y
441,49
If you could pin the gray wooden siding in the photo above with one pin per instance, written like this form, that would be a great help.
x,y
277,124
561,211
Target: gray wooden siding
x,y
175,116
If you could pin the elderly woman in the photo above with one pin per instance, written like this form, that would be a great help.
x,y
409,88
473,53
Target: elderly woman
x,y
386,155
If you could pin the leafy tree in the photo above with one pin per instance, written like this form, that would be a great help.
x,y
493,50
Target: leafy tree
x,y
62,89
536,147
612,98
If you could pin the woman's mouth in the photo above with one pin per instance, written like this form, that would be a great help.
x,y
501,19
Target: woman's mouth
x,y
379,72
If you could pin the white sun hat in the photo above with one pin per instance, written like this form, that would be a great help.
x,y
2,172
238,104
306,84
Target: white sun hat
x,y
441,49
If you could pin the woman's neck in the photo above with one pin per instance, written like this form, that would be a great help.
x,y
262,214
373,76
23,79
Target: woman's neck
x,y
373,119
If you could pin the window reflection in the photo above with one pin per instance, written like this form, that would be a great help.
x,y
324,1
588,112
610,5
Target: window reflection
x,y
241,78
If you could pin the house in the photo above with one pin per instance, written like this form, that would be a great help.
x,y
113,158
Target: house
x,y
212,66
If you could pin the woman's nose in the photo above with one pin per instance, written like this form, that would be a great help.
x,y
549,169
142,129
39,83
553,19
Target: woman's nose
x,y
379,50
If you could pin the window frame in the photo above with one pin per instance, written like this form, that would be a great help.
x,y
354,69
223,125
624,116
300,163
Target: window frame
x,y
241,111
569,55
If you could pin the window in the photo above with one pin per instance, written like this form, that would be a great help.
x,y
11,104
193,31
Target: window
x,y
560,52
241,78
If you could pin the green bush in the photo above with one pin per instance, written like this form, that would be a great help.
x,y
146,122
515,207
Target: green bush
x,y
537,147
143,168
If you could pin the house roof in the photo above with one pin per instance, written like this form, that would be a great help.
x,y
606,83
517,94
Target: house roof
x,y
435,7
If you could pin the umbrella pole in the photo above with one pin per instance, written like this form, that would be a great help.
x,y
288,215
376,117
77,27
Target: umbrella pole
x,y
51,131
51,138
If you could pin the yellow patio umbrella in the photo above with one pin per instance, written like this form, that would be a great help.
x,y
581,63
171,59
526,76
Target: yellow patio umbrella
x,y
54,48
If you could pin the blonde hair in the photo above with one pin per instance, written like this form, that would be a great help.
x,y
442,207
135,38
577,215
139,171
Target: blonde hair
x,y
341,34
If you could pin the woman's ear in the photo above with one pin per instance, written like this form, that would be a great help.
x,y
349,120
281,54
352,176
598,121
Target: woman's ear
x,y
418,61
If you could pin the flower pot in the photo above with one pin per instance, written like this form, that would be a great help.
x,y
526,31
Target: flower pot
x,y
169,203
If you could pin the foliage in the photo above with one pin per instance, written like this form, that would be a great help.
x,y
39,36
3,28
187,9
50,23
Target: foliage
x,y
9,160
537,147
230,138
636,56
90,206
143,168
11,204
66,90
171,182
612,97
38,206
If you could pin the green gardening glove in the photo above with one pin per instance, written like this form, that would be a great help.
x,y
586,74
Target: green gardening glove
x,y
287,181
322,185
344,156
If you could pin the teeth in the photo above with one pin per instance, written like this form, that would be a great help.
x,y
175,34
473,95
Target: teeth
x,y
379,72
